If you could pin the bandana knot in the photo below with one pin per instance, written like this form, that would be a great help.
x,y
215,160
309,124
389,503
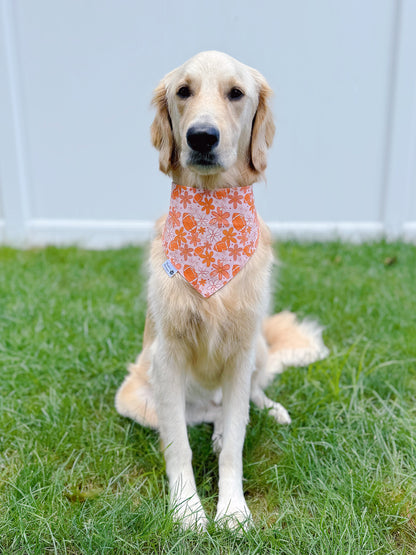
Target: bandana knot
x,y
210,235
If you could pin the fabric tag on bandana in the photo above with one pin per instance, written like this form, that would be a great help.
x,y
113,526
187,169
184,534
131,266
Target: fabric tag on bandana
x,y
169,268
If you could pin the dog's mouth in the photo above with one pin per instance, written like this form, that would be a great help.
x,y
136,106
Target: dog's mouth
x,y
205,163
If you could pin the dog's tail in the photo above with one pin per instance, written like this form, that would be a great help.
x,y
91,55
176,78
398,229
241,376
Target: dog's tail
x,y
291,343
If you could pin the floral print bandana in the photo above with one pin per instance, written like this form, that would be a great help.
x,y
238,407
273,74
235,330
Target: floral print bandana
x,y
210,235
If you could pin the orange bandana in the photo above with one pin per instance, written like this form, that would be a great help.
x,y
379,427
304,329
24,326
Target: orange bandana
x,y
210,235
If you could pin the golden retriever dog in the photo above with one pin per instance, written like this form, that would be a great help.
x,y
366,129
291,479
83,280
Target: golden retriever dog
x,y
207,353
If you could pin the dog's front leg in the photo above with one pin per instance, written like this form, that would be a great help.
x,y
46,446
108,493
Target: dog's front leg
x,y
232,510
168,380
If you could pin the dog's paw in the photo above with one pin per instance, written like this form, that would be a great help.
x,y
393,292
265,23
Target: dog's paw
x,y
280,414
189,514
234,515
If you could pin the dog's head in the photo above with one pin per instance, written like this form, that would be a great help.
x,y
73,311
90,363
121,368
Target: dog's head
x,y
212,114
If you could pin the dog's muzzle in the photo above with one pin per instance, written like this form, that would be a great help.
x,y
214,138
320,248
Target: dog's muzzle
x,y
203,140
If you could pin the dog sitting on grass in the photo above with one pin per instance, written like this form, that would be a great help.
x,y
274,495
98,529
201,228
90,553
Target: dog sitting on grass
x,y
208,347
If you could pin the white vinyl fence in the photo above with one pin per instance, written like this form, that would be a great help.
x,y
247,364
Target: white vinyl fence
x,y
76,78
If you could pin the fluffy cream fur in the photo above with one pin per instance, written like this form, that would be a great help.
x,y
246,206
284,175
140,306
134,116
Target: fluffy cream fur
x,y
204,359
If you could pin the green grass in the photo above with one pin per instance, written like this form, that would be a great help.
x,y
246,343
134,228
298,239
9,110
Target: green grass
x,y
77,478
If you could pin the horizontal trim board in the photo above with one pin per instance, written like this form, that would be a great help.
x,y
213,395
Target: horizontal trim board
x,y
409,232
94,234
102,234
327,231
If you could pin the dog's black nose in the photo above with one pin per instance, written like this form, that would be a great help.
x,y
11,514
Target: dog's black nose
x,y
202,138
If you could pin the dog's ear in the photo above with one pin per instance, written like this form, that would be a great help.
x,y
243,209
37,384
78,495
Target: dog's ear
x,y
161,129
263,127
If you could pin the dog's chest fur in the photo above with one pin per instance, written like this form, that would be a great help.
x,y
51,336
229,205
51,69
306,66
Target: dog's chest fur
x,y
205,335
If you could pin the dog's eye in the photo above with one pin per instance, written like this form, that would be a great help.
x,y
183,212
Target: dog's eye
x,y
184,92
235,94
